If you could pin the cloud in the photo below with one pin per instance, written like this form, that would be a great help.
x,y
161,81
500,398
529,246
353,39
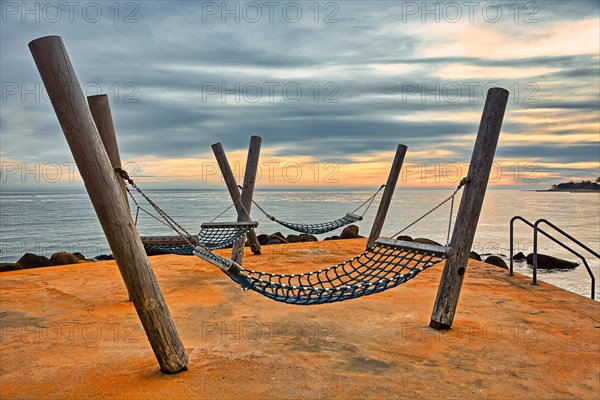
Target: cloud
x,y
180,79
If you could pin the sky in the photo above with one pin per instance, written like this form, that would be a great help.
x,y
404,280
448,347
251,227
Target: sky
x,y
332,87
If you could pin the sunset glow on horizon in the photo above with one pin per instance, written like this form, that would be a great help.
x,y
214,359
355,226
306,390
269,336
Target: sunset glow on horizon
x,y
331,93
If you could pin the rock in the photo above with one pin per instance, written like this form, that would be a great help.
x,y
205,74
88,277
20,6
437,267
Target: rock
x,y
62,258
9,267
79,256
549,262
405,238
520,256
150,251
30,260
497,261
104,257
279,236
332,238
308,238
473,255
273,240
294,239
426,241
350,232
262,238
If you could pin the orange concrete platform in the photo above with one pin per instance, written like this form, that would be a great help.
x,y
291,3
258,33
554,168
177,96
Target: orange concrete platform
x,y
70,332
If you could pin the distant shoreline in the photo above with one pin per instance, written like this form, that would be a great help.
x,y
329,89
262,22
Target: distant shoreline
x,y
565,190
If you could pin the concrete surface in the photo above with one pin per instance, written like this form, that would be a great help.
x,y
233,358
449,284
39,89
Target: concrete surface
x,y
70,332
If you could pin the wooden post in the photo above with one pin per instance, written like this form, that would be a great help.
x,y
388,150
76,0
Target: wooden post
x,y
237,253
470,209
100,109
234,192
103,187
388,193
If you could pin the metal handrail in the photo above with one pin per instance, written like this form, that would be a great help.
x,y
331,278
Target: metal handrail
x,y
536,229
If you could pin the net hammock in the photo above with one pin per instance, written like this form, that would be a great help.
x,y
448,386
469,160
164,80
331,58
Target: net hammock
x,y
384,265
324,227
387,264
213,235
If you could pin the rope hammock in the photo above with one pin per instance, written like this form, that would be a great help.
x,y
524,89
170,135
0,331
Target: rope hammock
x,y
386,264
213,235
324,227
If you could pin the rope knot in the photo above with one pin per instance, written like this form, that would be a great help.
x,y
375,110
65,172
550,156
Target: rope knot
x,y
123,174
464,181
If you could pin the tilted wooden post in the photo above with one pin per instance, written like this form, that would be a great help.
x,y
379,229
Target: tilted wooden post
x,y
104,189
234,192
237,253
388,193
100,109
470,209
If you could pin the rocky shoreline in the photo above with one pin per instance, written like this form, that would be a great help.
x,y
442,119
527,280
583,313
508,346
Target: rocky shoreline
x,y
30,260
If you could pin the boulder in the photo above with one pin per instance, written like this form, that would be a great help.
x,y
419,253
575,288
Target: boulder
x,y
473,255
104,257
549,262
30,260
9,267
273,240
79,256
426,241
150,251
405,238
497,261
520,256
294,238
63,258
350,232
262,238
308,238
332,238
279,236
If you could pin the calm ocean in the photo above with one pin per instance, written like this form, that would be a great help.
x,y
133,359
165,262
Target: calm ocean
x,y
47,222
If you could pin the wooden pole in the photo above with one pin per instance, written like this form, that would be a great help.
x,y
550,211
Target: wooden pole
x,y
103,187
234,192
237,253
388,193
470,209
100,109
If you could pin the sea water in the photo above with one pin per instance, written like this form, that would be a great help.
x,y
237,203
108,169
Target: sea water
x,y
47,222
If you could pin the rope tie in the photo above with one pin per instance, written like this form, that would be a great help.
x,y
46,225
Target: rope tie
x,y
184,234
462,183
450,198
369,200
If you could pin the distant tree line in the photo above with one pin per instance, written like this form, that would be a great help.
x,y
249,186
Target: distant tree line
x,y
583,185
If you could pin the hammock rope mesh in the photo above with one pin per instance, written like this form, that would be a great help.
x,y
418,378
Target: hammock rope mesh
x,y
324,227
387,264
